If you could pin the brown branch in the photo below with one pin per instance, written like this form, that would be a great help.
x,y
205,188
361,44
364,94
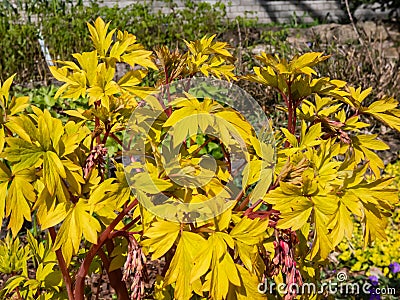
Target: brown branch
x,y
243,204
104,258
124,234
9,132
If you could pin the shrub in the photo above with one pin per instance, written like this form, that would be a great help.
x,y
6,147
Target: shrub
x,y
277,216
62,25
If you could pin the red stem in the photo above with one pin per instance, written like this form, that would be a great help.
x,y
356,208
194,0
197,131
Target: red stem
x,y
250,209
201,147
62,265
97,123
19,294
169,109
130,224
290,118
116,276
105,235
108,131
118,140
243,204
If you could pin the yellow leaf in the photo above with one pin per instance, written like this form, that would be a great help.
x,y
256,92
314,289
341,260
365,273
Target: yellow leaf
x,y
182,264
3,196
214,256
249,287
290,137
248,231
306,60
343,225
375,224
18,105
161,237
88,62
2,138
53,169
19,198
52,217
295,219
4,90
139,57
310,139
98,33
77,222
322,244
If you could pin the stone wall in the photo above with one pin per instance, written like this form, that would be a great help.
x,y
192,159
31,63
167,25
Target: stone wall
x,y
268,11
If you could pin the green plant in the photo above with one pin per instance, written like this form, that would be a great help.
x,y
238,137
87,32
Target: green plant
x,y
280,219
60,24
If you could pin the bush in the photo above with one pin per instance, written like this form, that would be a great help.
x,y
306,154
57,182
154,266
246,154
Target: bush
x,y
62,25
281,201
20,50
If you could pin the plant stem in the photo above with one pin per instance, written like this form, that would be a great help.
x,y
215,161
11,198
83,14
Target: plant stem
x,y
243,204
105,235
99,284
130,224
250,209
118,140
19,294
62,265
97,123
115,276
201,147
108,131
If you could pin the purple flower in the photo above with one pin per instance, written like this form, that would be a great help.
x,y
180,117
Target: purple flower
x,y
375,296
374,280
372,290
394,267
